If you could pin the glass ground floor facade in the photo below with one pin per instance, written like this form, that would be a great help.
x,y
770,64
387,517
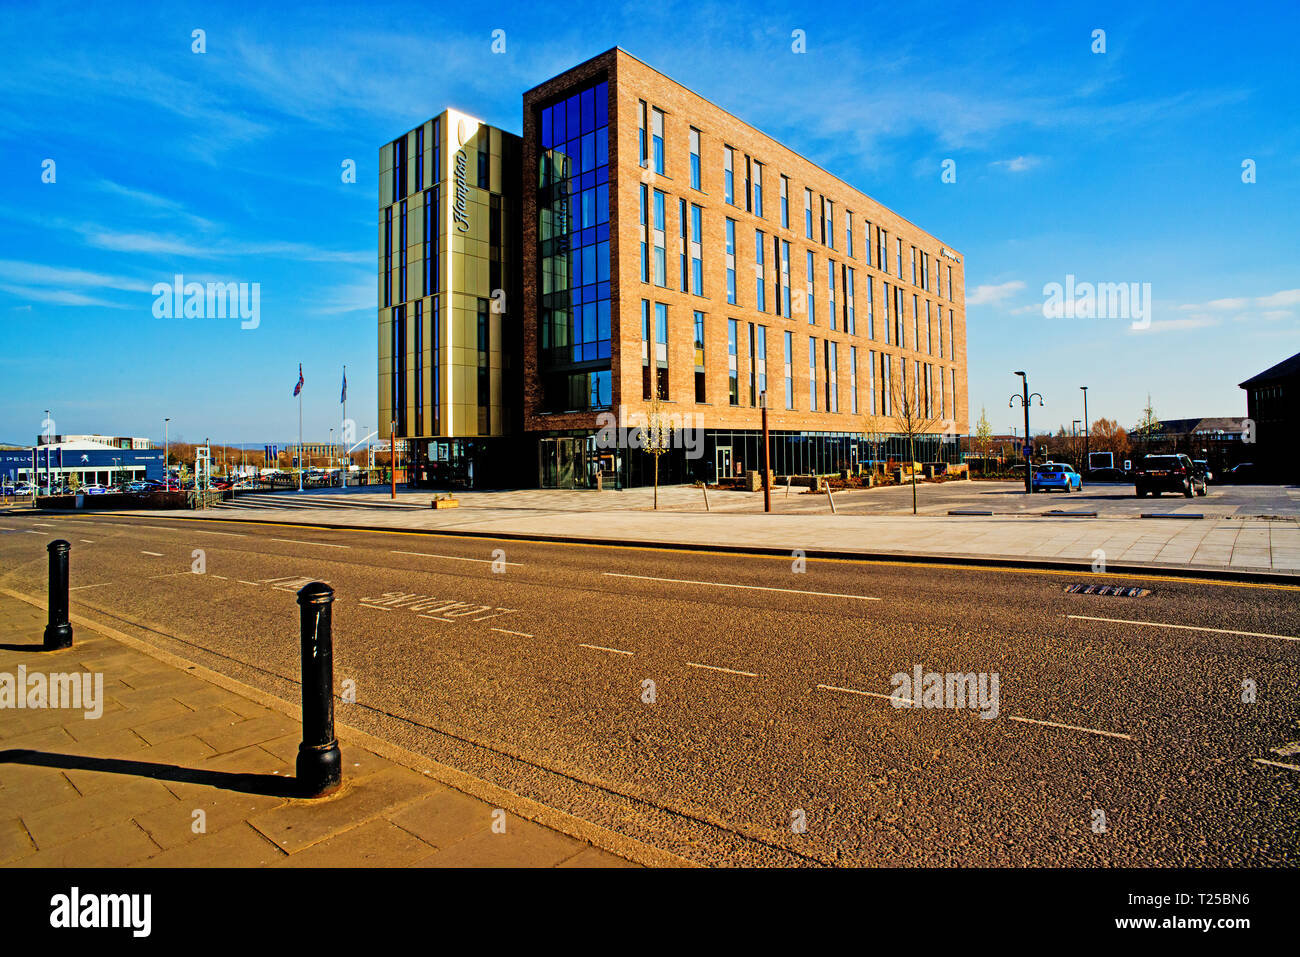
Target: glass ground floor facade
x,y
585,458
574,459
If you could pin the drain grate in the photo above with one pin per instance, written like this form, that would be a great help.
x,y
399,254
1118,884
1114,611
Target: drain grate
x,y
1120,591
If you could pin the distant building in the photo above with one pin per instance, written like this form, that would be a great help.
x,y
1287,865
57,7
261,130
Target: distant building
x,y
97,441
88,463
1273,404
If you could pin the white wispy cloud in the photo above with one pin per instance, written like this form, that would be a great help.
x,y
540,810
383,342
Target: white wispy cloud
x,y
1018,164
40,274
56,297
990,294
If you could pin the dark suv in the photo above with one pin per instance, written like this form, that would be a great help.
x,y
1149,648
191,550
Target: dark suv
x,y
1169,473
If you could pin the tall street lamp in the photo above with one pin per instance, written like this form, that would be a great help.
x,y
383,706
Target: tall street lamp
x,y
167,471
1026,398
1087,431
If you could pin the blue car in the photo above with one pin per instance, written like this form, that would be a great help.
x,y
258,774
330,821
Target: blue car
x,y
1056,475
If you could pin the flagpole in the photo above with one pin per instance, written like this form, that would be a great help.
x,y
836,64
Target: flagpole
x,y
344,430
300,437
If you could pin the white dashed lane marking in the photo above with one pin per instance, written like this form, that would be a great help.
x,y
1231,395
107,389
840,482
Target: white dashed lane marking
x,y
296,541
1071,727
1162,624
730,671
507,631
455,558
907,702
154,554
788,591
617,651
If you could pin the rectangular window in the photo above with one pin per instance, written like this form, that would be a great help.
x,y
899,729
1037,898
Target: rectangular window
x,y
828,227
949,268
695,158
785,202
728,176
916,324
642,156
657,139
812,374
810,282
925,270
645,253
853,379
914,282
939,323
733,371
398,394
884,302
419,367
399,168
761,362
419,166
432,257
807,213
749,195
388,256
401,253
760,277
832,376
661,349
830,293
898,249
952,339
660,241
871,307
848,232
785,279
954,393
871,380
943,395
697,251
886,387
758,189
850,320
435,372
788,370
699,356
752,364
866,243
484,176
731,261
900,339
436,176
929,330
646,378
882,249
484,371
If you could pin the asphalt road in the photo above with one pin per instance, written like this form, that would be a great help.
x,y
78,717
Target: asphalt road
x,y
771,737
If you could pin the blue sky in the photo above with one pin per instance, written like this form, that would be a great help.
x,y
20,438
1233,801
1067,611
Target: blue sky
x,y
1122,166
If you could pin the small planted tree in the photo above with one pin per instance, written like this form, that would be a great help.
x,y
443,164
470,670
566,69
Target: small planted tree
x,y
1149,426
655,436
912,415
983,439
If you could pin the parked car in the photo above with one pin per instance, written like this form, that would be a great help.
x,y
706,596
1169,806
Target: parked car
x,y
1245,473
93,490
1052,475
1108,475
1169,473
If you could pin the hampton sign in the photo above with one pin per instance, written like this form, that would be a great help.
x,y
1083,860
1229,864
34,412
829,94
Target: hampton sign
x,y
460,208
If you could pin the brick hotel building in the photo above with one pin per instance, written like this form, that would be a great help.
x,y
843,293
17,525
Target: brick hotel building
x,y
646,241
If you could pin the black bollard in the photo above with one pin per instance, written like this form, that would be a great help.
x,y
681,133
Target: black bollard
x,y
58,632
320,765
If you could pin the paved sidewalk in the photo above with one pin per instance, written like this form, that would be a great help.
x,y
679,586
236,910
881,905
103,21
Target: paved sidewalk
x,y
1218,542
182,771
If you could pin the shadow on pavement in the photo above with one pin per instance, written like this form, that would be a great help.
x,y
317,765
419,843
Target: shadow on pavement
x,y
272,785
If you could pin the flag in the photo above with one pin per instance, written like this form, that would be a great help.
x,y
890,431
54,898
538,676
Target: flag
x,y
344,396
298,387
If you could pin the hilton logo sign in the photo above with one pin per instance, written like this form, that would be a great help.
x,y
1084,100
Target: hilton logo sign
x,y
460,208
